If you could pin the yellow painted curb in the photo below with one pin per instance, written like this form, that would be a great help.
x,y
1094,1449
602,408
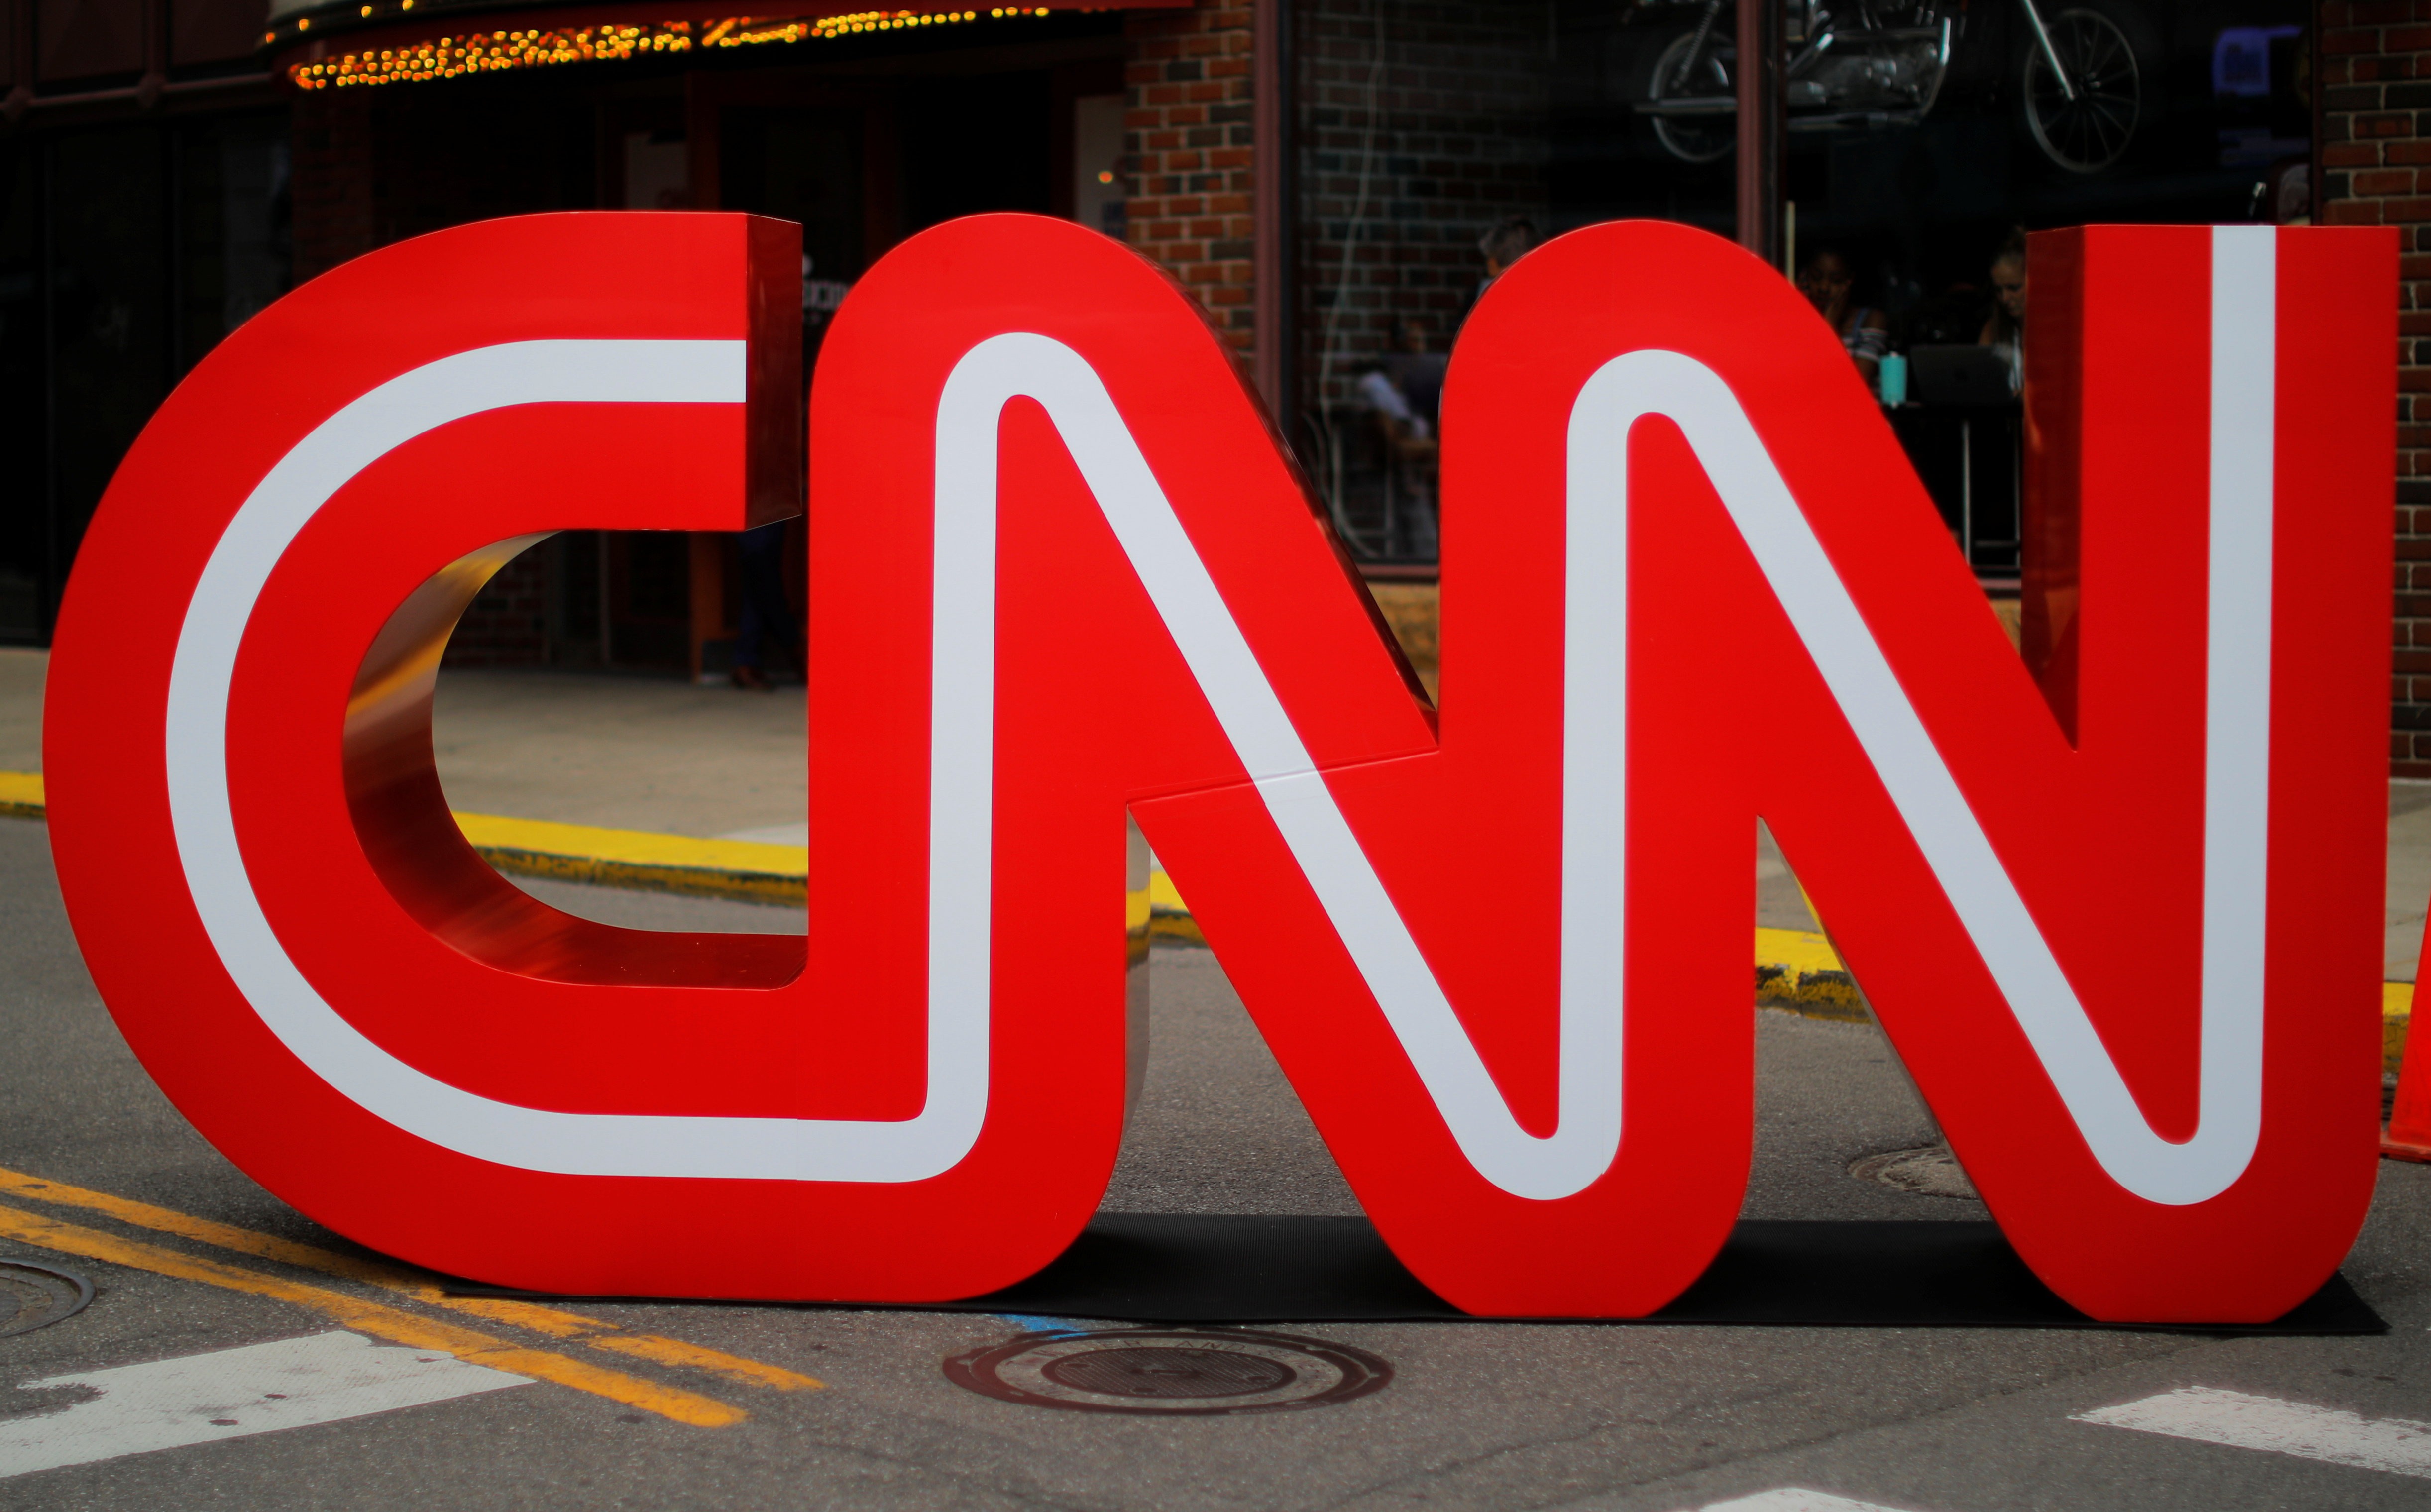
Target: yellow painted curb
x,y
583,853
1168,917
1796,970
633,858
21,794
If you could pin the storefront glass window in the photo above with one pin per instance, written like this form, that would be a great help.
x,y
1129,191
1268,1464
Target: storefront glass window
x,y
803,166
233,217
109,287
126,253
1922,136
23,543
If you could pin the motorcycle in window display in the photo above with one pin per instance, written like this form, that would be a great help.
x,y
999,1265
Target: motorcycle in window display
x,y
2074,69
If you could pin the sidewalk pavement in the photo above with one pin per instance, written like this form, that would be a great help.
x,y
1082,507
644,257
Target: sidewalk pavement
x,y
659,784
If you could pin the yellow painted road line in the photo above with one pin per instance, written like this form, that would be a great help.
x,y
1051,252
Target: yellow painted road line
x,y
676,1352
375,1318
21,794
596,1333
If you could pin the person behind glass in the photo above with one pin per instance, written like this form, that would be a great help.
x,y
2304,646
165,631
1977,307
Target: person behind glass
x,y
767,612
1416,371
1824,279
1409,444
2005,330
1505,242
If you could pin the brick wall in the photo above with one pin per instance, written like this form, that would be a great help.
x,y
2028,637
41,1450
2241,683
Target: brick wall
x,y
331,151
2376,171
507,624
1422,124
1188,145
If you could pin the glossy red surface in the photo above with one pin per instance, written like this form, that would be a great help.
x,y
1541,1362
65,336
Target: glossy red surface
x,y
1458,810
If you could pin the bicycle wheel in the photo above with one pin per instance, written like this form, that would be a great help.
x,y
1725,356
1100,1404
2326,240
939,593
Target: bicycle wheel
x,y
2088,130
1678,75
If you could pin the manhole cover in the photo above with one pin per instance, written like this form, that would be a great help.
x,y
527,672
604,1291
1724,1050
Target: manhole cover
x,y
1931,1170
34,1295
1173,1370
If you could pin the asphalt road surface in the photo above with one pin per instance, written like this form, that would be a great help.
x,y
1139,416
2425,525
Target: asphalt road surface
x,y
211,1296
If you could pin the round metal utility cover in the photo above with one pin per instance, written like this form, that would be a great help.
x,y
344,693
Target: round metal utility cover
x,y
34,1295
1175,1372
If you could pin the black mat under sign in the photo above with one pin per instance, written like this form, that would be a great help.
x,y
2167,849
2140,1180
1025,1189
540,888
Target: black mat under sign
x,y
1172,1267
1168,1268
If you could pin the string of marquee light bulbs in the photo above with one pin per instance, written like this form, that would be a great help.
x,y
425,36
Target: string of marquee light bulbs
x,y
497,51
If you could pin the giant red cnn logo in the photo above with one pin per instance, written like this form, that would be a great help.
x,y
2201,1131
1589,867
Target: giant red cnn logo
x,y
2121,927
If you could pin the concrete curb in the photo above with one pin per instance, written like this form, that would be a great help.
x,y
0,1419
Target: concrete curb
x,y
1798,971
749,870
21,794
1795,971
2396,1008
1168,917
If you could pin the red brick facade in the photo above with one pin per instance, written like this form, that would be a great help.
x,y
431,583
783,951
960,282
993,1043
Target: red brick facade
x,y
1188,142
2376,104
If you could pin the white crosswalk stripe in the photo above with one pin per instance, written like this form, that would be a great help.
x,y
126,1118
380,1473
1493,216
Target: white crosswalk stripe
x,y
259,1388
1794,1498
2396,1445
